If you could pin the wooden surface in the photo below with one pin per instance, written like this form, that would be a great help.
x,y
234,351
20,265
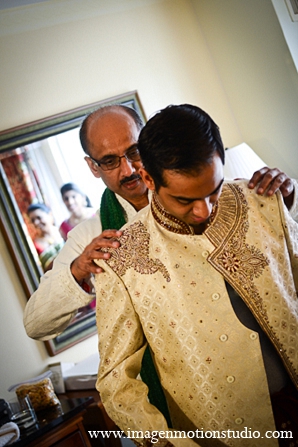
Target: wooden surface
x,y
59,426
68,434
96,418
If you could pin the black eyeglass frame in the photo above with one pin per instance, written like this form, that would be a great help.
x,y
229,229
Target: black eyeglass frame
x,y
103,165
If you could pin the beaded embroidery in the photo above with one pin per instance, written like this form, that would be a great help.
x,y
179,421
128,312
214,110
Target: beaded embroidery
x,y
238,261
171,223
241,263
168,221
134,253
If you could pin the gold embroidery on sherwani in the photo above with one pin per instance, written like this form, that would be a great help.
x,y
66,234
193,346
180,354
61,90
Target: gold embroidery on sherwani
x,y
238,261
134,253
168,221
171,223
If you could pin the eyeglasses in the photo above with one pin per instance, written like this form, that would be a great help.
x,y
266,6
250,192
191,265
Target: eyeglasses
x,y
110,162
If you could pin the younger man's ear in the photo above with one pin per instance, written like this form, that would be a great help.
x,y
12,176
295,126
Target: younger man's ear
x,y
147,179
92,167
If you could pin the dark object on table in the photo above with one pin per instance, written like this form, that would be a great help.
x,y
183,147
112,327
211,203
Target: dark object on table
x,y
4,412
62,429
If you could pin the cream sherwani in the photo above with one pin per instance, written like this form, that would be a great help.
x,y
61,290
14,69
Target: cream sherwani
x,y
167,286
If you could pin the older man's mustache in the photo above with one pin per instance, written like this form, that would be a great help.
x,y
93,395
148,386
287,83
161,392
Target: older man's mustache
x,y
130,179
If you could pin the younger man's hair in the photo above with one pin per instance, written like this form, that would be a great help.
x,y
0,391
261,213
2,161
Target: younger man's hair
x,y
182,138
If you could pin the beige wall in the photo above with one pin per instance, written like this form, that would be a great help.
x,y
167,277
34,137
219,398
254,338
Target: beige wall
x,y
156,47
258,75
62,54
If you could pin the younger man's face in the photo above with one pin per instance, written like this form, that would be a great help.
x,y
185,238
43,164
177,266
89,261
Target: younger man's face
x,y
191,198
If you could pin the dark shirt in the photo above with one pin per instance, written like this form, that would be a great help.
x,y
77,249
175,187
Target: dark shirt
x,y
277,375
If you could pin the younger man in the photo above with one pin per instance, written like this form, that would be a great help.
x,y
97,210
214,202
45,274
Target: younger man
x,y
207,275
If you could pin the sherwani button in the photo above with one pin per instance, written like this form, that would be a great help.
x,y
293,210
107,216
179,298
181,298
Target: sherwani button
x,y
239,421
223,337
205,254
215,296
253,336
230,379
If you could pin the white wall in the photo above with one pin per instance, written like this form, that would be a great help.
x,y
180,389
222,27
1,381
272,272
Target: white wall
x,y
155,47
63,54
257,73
285,14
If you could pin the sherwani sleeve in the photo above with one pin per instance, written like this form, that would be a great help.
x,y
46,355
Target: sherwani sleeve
x,y
121,345
294,208
56,301
291,235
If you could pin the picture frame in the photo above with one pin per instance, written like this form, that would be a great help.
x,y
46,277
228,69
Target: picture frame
x,y
12,224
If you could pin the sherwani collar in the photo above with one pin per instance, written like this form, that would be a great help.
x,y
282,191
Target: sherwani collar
x,y
170,222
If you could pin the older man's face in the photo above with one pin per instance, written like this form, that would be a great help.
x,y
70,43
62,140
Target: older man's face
x,y
113,134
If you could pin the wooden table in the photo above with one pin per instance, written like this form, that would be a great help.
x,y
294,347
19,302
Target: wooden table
x,y
95,418
61,426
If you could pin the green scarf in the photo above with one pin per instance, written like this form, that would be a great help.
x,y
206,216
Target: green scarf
x,y
112,217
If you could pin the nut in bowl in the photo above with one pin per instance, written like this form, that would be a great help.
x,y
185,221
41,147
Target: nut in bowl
x,y
40,391
42,394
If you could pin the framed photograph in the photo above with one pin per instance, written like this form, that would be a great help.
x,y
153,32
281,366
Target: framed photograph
x,y
22,164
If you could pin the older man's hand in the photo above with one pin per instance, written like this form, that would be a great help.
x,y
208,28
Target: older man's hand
x,y
267,181
83,266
